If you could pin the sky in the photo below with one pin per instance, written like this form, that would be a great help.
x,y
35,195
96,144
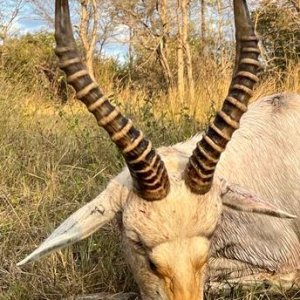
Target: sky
x,y
28,22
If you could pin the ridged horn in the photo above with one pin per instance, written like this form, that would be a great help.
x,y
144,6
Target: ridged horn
x,y
150,178
200,169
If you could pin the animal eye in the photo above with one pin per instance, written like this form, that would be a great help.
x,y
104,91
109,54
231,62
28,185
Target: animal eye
x,y
138,244
138,247
152,265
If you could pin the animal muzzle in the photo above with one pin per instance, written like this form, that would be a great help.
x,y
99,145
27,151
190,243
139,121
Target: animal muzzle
x,y
185,289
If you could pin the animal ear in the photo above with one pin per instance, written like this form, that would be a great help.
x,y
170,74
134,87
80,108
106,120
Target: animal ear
x,y
242,199
81,224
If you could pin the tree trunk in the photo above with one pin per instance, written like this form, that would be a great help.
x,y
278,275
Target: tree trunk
x,y
130,54
163,47
88,35
202,20
160,51
186,49
220,35
180,57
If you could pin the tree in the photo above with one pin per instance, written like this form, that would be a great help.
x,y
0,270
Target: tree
x,y
88,31
278,22
186,48
202,19
149,27
8,15
180,53
43,10
95,24
163,48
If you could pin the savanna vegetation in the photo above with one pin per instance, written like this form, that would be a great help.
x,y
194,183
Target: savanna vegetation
x,y
54,158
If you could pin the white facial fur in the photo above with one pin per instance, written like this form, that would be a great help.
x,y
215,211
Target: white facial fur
x,y
168,241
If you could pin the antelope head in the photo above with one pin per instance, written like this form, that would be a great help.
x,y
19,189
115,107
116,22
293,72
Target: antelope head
x,y
169,209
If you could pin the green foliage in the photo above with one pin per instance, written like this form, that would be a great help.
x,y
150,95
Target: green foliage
x,y
163,131
30,60
107,72
279,26
145,72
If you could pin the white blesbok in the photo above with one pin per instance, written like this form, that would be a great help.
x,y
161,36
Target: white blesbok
x,y
181,209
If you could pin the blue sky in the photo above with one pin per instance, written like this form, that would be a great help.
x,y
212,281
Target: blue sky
x,y
28,22
25,25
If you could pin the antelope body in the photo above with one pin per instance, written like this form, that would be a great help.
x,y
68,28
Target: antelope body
x,y
268,163
180,207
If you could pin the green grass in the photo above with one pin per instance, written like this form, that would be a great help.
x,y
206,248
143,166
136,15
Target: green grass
x,y
53,160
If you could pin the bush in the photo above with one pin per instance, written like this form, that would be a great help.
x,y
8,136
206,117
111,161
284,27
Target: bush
x,y
30,61
279,27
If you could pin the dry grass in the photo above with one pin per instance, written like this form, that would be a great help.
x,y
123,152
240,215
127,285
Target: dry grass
x,y
54,159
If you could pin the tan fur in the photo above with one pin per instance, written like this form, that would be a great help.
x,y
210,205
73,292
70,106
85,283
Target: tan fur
x,y
168,231
181,280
